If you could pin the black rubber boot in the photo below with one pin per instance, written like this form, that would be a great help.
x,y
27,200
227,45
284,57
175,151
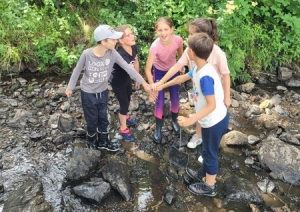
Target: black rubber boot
x,y
157,133
105,143
175,125
92,142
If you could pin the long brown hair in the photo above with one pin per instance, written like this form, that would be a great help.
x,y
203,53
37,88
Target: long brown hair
x,y
207,25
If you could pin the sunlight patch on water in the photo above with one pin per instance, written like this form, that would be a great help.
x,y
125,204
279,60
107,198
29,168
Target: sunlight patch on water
x,y
144,195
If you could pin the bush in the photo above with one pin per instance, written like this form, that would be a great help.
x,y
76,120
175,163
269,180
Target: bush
x,y
256,36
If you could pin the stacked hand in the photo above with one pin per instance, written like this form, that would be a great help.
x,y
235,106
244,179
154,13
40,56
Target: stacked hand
x,y
68,92
152,94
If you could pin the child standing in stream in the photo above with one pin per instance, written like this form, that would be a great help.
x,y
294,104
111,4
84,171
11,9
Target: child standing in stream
x,y
121,81
162,56
97,63
211,112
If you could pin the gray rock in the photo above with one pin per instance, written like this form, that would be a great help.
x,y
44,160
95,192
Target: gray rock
x,y
293,83
82,163
235,138
281,158
29,197
284,73
241,190
117,174
95,190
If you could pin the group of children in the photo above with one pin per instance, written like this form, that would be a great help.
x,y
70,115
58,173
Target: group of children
x,y
208,70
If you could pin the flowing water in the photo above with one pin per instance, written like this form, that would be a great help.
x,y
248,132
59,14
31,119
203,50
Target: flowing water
x,y
149,180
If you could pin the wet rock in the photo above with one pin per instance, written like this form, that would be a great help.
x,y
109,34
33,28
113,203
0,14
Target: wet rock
x,y
29,197
281,111
20,119
172,173
275,100
293,83
252,139
66,122
249,161
11,102
281,158
264,104
61,91
65,106
235,138
235,166
73,203
53,120
284,73
1,188
286,137
266,185
254,208
269,122
169,197
62,139
241,190
234,103
82,162
96,190
41,103
117,174
247,87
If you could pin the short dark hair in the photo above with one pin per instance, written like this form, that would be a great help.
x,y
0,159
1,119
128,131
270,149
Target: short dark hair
x,y
202,44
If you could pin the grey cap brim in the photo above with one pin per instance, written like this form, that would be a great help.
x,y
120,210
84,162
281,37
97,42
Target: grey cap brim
x,y
116,35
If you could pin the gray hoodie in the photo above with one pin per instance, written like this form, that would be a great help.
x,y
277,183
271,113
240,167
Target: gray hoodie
x,y
97,71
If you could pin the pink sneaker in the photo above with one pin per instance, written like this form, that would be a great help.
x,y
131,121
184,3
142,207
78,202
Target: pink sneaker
x,y
130,121
126,134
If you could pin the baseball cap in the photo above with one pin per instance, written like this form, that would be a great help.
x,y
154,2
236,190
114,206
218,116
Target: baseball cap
x,y
105,31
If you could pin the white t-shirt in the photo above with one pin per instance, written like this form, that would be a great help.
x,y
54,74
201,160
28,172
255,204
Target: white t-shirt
x,y
206,81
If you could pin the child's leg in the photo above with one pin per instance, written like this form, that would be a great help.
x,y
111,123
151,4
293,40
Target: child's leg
x,y
160,101
90,111
123,94
174,96
102,99
211,142
198,129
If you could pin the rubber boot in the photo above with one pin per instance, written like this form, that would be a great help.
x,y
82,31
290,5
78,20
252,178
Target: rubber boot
x,y
175,125
92,142
105,143
157,133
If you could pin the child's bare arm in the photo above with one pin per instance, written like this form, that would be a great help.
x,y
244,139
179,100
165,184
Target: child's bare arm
x,y
177,80
148,68
210,106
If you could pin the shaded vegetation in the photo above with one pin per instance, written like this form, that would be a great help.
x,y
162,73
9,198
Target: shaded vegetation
x,y
49,35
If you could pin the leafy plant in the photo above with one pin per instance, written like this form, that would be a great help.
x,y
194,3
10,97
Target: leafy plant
x,y
256,36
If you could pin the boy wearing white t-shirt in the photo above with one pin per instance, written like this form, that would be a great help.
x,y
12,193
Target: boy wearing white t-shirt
x,y
211,112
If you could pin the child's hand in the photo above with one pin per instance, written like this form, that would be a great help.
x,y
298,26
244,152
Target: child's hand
x,y
137,86
184,122
147,87
159,88
68,92
155,85
153,96
227,102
